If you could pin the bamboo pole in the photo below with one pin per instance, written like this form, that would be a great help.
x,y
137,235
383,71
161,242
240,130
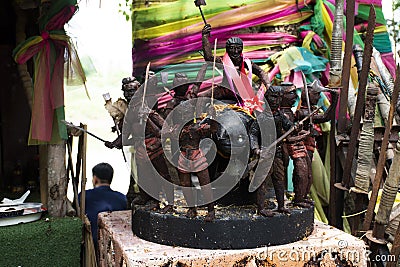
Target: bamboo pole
x,y
84,179
74,187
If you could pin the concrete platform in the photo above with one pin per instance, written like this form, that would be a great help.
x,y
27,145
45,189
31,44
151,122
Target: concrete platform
x,y
120,247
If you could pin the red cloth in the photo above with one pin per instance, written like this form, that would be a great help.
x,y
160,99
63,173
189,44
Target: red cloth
x,y
192,161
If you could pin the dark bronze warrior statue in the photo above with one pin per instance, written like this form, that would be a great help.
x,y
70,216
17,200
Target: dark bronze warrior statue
x,y
302,181
277,171
117,111
233,57
191,157
294,146
152,148
289,98
180,87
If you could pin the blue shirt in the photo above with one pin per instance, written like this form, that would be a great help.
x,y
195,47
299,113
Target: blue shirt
x,y
100,199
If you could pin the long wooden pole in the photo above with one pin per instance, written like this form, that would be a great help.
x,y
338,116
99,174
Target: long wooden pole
x,y
335,196
84,179
71,168
213,72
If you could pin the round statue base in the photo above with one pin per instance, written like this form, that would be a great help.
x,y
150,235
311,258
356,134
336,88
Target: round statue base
x,y
234,227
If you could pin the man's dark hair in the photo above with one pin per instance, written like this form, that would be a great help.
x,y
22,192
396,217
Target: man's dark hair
x,y
104,172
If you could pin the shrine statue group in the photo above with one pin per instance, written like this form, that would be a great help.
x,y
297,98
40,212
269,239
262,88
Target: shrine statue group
x,y
166,128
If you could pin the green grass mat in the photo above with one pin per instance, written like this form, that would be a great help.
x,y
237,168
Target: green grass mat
x,y
56,242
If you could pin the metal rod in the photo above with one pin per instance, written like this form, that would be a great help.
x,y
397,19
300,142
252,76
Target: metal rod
x,y
360,101
69,124
213,72
202,15
291,130
146,79
336,196
342,118
256,181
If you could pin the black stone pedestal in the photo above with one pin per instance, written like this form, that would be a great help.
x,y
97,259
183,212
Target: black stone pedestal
x,y
233,228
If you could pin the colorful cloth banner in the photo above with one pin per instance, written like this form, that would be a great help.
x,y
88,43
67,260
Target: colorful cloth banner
x,y
48,52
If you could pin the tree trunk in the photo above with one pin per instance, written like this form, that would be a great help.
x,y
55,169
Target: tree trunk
x,y
57,180
43,174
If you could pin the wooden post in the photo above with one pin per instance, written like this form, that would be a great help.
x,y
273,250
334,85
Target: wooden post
x,y
83,180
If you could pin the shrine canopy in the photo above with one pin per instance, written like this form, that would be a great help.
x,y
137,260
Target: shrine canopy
x,y
168,33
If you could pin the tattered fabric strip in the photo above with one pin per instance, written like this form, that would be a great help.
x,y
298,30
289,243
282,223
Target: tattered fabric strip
x,y
48,51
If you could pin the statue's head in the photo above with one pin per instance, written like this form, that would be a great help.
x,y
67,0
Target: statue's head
x,y
129,87
274,97
152,80
289,96
234,48
180,83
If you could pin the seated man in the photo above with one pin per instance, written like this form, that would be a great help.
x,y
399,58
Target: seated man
x,y
102,197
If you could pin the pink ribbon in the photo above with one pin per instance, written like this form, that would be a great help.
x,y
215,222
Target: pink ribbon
x,y
242,82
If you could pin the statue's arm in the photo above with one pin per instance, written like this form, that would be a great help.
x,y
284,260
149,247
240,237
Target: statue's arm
x,y
326,116
196,86
207,50
260,73
156,118
254,134
286,123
